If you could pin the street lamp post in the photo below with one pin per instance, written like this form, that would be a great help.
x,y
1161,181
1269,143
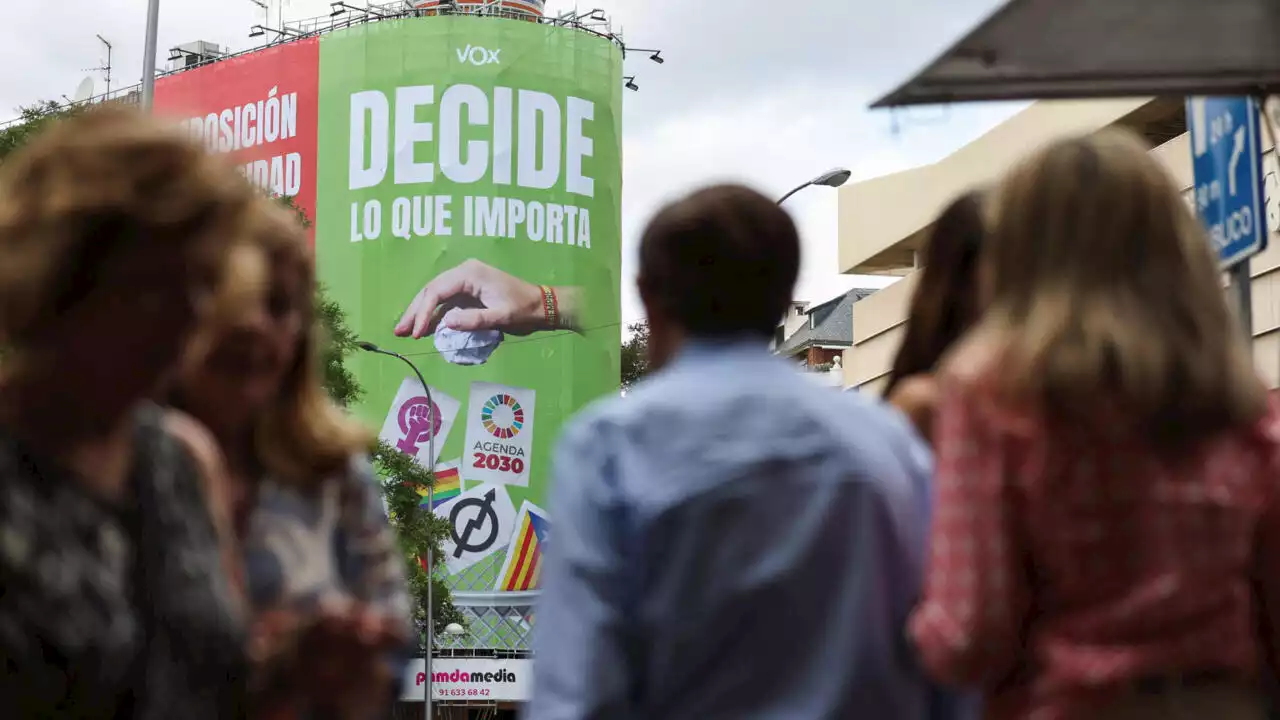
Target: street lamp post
x,y
149,55
832,178
431,489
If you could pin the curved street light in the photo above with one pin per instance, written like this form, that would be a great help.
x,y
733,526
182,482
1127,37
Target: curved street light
x,y
431,508
831,178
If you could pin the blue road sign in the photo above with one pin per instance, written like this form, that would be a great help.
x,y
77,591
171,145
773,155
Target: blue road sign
x,y
1227,160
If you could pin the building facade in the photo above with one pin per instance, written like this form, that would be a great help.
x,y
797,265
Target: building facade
x,y
818,335
884,220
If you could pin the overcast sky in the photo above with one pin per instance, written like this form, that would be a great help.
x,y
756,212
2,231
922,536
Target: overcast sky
x,y
770,93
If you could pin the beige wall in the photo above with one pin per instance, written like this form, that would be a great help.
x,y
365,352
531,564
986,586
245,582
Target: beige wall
x,y
870,241
880,218
877,331
795,319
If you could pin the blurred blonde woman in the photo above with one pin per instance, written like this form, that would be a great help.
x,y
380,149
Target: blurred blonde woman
x,y
115,600
1106,542
325,577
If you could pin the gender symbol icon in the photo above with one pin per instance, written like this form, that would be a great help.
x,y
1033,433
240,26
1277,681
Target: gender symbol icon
x,y
419,421
482,523
412,421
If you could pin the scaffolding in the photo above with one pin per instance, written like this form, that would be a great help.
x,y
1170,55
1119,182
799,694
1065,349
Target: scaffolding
x,y
343,16
529,10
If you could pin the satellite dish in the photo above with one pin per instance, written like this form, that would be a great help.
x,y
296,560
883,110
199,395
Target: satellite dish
x,y
84,90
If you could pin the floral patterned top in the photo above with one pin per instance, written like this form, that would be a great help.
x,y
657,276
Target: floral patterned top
x,y
304,547
108,612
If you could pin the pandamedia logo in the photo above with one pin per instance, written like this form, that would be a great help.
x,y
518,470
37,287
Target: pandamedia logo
x,y
478,55
461,676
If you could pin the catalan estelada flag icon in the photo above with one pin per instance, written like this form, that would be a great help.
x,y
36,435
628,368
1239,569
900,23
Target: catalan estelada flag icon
x,y
523,566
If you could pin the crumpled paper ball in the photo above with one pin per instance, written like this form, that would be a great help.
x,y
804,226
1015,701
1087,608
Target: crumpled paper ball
x,y
465,347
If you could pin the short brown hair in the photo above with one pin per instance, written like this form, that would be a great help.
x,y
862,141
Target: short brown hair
x,y
1104,293
92,184
721,262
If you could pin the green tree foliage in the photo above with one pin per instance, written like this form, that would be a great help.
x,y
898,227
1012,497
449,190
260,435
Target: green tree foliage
x,y
635,354
420,532
339,381
30,121
14,135
340,341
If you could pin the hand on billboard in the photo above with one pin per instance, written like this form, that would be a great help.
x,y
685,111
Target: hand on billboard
x,y
481,297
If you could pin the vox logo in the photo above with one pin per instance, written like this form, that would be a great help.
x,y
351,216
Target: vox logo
x,y
478,55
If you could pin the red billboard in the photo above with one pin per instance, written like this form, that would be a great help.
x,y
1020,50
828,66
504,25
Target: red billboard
x,y
261,109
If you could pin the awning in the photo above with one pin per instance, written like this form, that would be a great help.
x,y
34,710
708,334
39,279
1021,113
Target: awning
x,y
1052,49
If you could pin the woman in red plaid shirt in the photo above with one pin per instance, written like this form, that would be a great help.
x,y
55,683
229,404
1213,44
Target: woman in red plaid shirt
x,y
1106,539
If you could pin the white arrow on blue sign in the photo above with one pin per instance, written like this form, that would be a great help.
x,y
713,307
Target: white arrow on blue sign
x,y
1227,160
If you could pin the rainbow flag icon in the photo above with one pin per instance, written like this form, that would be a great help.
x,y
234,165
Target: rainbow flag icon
x,y
448,484
523,566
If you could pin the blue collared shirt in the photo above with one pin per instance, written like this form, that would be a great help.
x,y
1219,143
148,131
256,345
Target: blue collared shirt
x,y
733,540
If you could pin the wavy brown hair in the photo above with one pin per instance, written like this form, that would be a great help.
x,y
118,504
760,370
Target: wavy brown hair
x,y
1105,295
90,186
302,436
945,302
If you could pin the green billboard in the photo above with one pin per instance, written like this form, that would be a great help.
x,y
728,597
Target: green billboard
x,y
467,217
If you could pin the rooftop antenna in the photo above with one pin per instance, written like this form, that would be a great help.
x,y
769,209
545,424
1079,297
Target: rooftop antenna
x,y
266,10
106,68
280,11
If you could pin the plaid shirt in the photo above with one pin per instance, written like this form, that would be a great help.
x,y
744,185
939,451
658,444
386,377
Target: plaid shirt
x,y
1061,571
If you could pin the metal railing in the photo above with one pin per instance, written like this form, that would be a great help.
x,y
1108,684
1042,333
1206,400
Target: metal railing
x,y
495,620
594,22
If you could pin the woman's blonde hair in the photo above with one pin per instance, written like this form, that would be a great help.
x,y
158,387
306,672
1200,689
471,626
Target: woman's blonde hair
x,y
88,187
302,436
1104,294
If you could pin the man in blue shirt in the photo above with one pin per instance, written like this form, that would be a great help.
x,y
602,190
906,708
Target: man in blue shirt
x,y
731,539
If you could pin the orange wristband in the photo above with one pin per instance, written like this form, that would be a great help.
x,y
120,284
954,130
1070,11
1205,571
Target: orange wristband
x,y
550,306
